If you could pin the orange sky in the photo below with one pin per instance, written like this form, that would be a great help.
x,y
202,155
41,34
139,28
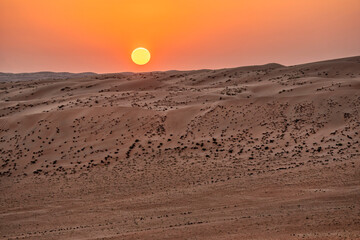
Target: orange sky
x,y
99,35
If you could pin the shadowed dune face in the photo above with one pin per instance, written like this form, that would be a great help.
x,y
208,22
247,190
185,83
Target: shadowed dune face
x,y
244,153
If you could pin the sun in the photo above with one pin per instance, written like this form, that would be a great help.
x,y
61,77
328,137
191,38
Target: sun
x,y
140,56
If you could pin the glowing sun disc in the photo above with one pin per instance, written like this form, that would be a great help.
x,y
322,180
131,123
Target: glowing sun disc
x,y
140,56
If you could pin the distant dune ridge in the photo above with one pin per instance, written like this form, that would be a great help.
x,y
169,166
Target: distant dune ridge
x,y
258,152
41,76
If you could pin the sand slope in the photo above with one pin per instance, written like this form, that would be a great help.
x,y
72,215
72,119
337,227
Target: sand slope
x,y
261,152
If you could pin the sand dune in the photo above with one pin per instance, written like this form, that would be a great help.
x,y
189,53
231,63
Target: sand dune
x,y
261,152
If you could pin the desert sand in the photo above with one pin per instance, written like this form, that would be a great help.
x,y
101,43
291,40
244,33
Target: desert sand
x,y
259,152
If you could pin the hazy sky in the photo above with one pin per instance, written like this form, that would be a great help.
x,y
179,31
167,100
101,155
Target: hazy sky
x,y
99,35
